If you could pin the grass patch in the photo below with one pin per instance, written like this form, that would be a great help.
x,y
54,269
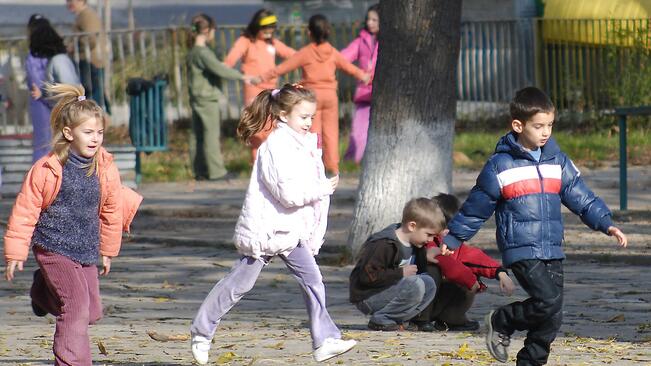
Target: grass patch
x,y
586,149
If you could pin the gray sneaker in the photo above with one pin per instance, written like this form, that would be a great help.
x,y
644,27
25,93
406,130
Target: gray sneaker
x,y
497,343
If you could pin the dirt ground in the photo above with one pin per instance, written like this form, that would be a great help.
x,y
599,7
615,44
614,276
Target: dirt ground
x,y
181,246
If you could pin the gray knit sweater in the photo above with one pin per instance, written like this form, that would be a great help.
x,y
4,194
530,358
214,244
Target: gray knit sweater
x,y
70,225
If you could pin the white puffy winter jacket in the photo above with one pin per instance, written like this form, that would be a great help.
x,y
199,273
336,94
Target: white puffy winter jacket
x,y
287,199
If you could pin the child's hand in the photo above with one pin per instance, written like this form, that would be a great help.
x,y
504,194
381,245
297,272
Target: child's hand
x,y
475,287
432,253
506,284
409,270
621,238
334,181
36,92
445,250
366,79
11,267
106,263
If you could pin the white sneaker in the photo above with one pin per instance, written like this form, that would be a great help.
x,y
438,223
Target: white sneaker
x,y
200,348
333,347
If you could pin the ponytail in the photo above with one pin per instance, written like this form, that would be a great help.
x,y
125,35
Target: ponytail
x,y
268,105
255,116
71,109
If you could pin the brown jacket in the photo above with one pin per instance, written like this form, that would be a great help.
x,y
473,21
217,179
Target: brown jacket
x,y
378,265
88,21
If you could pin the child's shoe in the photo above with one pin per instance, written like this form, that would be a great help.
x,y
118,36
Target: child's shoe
x,y
383,327
497,343
333,347
200,348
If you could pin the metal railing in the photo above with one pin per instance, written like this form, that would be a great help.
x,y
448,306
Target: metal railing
x,y
587,66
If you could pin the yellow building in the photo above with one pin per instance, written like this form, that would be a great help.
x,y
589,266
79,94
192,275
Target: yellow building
x,y
596,22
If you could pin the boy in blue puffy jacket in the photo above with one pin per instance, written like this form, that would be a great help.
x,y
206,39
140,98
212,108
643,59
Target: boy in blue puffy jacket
x,y
525,182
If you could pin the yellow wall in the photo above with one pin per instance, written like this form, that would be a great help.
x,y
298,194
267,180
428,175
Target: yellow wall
x,y
604,21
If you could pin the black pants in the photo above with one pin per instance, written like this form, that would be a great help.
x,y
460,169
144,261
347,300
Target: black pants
x,y
541,314
451,302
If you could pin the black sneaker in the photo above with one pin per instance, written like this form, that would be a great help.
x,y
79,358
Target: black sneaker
x,y
382,327
38,311
497,343
468,326
423,326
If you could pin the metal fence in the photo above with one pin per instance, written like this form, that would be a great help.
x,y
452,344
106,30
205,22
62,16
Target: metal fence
x,y
586,66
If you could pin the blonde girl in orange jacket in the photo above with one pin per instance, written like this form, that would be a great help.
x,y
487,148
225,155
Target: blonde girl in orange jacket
x,y
72,209
257,49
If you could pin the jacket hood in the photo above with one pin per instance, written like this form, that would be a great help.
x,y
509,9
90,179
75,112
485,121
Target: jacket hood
x,y
367,36
321,52
388,232
508,144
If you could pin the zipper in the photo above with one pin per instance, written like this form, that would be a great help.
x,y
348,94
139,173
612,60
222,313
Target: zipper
x,y
545,234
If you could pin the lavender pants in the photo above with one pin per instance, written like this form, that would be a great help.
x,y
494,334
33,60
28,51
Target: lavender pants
x,y
69,291
358,132
241,279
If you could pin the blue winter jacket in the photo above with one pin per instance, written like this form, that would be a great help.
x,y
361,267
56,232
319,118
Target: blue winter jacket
x,y
526,196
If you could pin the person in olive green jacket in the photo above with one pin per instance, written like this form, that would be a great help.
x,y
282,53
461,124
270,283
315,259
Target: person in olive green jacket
x,y
205,72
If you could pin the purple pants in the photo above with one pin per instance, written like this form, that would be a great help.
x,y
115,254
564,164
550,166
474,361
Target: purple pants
x,y
69,291
358,132
241,279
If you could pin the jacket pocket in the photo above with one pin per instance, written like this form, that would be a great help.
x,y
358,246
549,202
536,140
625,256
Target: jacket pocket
x,y
509,229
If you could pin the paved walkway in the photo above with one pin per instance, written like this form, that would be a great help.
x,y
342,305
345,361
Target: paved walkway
x,y
180,248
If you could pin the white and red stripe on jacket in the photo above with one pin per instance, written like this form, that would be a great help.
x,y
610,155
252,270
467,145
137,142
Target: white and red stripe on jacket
x,y
521,181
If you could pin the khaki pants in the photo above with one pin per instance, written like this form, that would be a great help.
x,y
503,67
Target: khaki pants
x,y
206,157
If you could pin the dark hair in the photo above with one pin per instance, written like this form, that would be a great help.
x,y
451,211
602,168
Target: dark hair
x,y
198,24
319,28
528,102
251,30
44,41
376,9
449,204
268,105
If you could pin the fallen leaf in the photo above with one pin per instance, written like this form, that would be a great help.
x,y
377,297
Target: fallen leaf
x,y
617,318
167,337
102,348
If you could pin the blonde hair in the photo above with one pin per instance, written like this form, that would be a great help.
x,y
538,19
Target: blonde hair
x,y
424,212
268,105
71,109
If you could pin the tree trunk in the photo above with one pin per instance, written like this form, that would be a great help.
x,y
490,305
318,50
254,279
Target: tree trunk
x,y
409,149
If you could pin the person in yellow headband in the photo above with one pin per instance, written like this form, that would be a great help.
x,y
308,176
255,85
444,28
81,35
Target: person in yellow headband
x,y
257,49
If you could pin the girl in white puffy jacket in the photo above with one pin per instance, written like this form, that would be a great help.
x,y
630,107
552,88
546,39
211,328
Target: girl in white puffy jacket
x,y
284,214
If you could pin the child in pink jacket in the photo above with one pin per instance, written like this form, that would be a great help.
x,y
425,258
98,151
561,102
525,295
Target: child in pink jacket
x,y
72,210
284,214
363,50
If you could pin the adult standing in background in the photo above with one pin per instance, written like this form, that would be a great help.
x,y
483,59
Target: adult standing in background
x,y
363,50
47,62
92,71
257,49
39,109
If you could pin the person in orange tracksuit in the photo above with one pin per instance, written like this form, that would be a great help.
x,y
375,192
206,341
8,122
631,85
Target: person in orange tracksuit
x,y
257,49
319,60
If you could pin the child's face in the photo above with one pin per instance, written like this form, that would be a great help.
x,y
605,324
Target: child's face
x,y
266,33
86,138
372,22
419,236
536,131
300,118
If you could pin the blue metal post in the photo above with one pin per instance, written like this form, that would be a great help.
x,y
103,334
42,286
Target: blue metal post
x,y
623,202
